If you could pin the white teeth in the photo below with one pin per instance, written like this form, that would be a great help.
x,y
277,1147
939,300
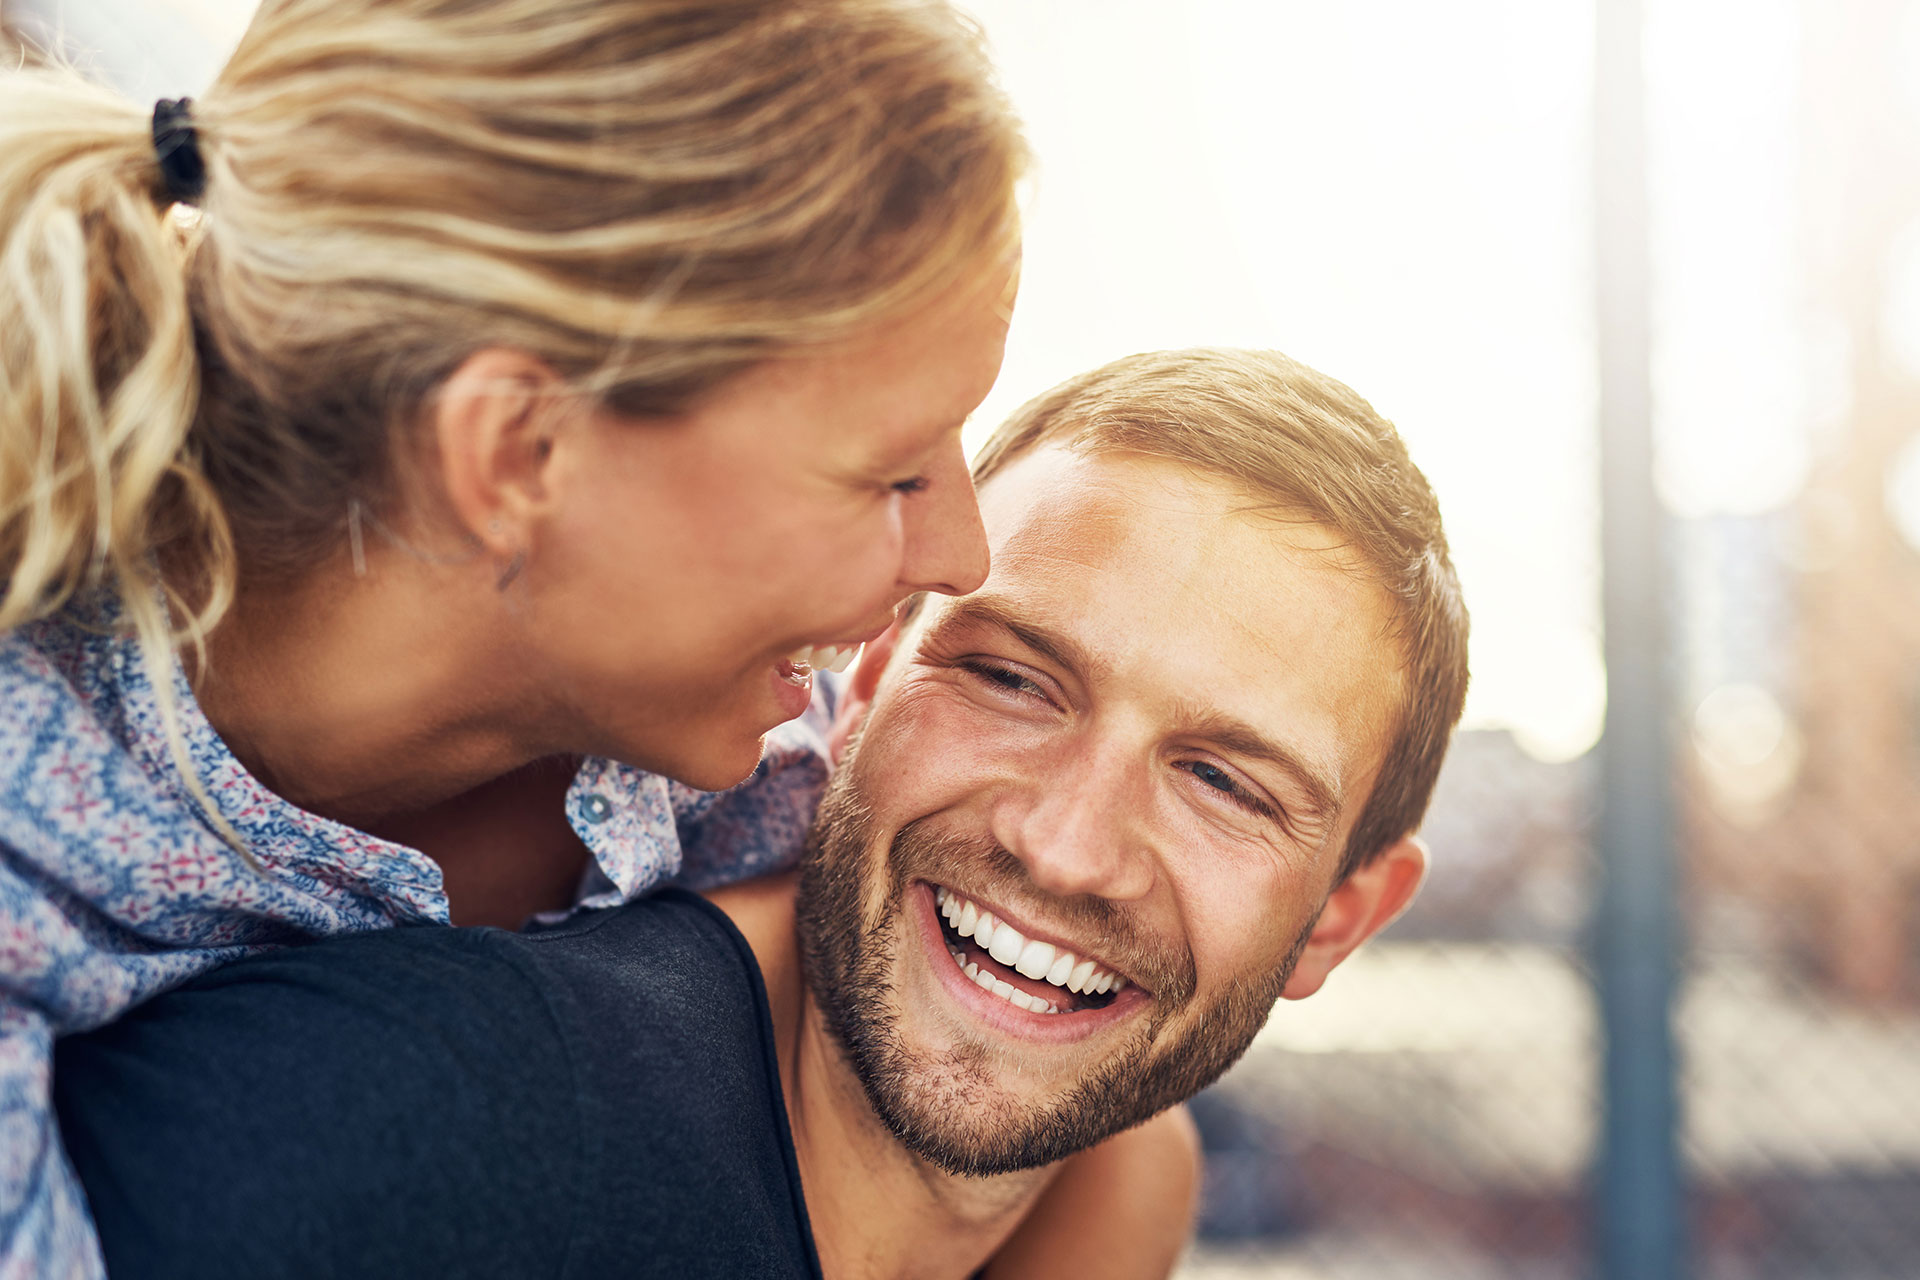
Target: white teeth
x,y
1033,958
832,657
983,932
1005,990
1036,959
1007,944
1077,981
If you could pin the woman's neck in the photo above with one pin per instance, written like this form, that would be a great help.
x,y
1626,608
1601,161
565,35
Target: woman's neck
x,y
363,697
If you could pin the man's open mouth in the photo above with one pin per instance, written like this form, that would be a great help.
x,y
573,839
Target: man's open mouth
x,y
1041,977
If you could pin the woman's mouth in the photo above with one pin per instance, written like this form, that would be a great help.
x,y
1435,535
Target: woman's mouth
x,y
797,669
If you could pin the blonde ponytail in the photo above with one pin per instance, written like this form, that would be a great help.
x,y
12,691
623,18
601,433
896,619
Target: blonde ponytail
x,y
98,482
99,486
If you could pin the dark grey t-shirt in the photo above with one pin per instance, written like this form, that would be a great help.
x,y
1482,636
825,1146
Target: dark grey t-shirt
x,y
597,1099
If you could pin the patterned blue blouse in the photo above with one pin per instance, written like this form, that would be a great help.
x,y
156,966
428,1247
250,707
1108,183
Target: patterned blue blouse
x,y
114,887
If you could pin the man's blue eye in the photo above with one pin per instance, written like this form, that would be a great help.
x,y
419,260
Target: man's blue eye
x,y
1214,776
1220,780
1005,677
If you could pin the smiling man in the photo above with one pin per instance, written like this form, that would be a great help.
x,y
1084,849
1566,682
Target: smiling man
x,y
1088,825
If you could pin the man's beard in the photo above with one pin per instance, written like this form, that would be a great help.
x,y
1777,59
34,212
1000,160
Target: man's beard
x,y
942,1105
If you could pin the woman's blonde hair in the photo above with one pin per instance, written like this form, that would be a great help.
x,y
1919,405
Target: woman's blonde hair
x,y
648,195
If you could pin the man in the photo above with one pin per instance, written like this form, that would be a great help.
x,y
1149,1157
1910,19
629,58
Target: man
x,y
1088,824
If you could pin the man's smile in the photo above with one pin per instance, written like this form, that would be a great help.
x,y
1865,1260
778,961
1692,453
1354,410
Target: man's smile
x,y
979,938
1011,981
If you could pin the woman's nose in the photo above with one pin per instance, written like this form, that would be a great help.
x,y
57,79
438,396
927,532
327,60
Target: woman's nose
x,y
945,544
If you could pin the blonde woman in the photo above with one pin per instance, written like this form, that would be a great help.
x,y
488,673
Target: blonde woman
x,y
459,422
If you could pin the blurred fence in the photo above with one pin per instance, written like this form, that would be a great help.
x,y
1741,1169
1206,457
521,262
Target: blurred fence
x,y
1436,1112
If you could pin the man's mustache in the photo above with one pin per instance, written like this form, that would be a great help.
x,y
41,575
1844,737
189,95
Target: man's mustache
x,y
1089,924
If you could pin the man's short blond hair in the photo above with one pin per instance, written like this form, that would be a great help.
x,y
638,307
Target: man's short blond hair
x,y
1307,446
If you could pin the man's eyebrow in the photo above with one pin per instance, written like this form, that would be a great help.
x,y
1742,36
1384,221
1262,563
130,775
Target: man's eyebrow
x,y
1228,732
1240,738
1059,649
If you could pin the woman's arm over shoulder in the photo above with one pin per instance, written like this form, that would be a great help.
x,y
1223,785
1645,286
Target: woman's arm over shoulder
x,y
48,1231
1123,1209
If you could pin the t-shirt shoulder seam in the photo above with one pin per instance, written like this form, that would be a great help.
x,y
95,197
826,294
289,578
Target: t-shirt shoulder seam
x,y
494,942
763,1031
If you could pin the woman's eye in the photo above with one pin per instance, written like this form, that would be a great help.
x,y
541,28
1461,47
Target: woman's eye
x,y
914,485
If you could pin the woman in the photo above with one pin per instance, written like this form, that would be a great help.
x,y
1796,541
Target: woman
x,y
535,381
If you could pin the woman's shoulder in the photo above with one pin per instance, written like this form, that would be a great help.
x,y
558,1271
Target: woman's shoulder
x,y
115,882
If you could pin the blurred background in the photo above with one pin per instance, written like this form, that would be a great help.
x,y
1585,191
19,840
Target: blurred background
x,y
1402,194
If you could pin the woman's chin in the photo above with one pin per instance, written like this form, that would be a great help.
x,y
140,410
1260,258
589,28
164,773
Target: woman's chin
x,y
713,761
717,740
719,779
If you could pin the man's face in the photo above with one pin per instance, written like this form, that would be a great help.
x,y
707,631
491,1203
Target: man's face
x,y
1139,746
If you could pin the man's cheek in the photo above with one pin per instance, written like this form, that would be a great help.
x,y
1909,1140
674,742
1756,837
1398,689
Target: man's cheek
x,y
935,756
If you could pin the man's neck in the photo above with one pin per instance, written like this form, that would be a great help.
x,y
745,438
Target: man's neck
x,y
877,1209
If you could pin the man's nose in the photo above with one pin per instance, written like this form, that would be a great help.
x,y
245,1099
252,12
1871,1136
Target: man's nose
x,y
1079,826
944,545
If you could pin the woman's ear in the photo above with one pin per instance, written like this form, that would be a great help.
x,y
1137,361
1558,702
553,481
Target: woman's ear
x,y
491,427
857,700
1360,906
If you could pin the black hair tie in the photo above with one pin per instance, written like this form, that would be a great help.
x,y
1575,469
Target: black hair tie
x,y
183,173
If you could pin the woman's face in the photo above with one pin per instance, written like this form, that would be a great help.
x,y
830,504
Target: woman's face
x,y
693,559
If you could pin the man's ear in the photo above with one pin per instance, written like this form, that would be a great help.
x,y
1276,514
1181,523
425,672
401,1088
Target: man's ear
x,y
857,699
492,427
1360,906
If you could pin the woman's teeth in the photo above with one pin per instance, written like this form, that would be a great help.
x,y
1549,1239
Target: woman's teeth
x,y
833,657
1027,956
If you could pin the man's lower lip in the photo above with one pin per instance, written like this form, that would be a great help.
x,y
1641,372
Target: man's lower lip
x,y
1057,1028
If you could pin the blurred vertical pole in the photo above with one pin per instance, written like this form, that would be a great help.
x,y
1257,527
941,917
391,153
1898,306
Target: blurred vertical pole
x,y
1639,1228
